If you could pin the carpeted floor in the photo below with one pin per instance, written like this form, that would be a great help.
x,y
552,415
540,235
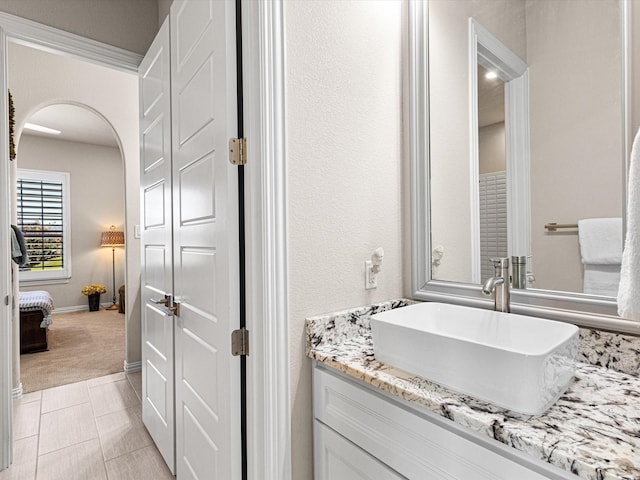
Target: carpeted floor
x,y
82,345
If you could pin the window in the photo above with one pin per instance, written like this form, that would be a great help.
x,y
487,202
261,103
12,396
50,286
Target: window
x,y
43,213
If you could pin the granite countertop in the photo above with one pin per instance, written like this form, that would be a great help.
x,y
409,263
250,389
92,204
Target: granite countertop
x,y
593,430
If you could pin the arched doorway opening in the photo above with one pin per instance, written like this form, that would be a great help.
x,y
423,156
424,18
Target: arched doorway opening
x,y
69,188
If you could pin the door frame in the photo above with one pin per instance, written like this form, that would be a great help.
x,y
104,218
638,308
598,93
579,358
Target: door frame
x,y
269,405
265,175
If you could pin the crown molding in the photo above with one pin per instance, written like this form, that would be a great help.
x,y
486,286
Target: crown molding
x,y
54,40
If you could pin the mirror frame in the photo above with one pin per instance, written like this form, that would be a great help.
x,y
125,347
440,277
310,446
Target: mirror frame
x,y
591,311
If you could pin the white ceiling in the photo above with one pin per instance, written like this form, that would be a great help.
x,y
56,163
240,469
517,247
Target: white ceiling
x,y
77,124
490,99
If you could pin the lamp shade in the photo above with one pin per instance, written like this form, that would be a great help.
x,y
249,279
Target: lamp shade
x,y
112,238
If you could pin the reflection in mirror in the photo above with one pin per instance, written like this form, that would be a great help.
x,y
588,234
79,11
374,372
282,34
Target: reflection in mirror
x,y
492,180
568,165
568,152
577,132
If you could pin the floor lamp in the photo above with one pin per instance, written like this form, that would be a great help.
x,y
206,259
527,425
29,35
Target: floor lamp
x,y
112,239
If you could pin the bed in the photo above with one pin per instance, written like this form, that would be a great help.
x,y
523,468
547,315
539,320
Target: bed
x,y
35,318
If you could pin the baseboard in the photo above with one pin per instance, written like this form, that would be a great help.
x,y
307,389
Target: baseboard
x,y
132,367
77,308
17,392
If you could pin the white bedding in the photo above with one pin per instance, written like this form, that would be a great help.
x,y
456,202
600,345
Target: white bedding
x,y
37,300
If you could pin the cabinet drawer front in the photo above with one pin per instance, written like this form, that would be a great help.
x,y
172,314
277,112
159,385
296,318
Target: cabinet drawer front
x,y
338,459
404,440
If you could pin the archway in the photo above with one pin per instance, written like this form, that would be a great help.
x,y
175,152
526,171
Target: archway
x,y
72,145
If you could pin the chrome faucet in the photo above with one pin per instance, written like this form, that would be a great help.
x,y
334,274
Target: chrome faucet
x,y
499,285
519,272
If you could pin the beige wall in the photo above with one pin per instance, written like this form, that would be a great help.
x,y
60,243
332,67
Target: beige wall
x,y
449,117
163,10
37,79
491,148
345,165
575,126
97,201
128,24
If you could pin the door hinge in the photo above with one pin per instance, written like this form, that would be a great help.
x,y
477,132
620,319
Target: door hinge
x,y
238,151
240,342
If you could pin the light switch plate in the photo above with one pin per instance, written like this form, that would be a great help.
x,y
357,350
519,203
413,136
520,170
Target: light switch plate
x,y
370,280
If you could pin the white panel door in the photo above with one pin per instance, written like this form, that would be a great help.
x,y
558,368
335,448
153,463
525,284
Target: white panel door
x,y
205,239
156,246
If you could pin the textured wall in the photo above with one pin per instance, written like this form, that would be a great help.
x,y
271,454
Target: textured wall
x,y
345,164
575,128
163,10
491,148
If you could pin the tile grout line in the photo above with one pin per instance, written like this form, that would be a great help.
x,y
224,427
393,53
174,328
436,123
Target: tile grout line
x,y
35,472
95,423
38,455
41,413
105,461
139,395
129,453
152,445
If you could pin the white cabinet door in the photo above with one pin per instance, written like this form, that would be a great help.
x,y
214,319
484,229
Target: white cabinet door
x,y
414,442
156,247
336,458
205,228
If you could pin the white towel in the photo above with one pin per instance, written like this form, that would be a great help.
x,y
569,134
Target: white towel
x,y
600,241
601,279
629,291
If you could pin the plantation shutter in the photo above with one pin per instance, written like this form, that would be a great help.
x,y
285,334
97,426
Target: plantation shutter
x,y
40,218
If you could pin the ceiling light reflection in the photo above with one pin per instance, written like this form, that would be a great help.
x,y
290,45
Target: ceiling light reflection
x,y
40,128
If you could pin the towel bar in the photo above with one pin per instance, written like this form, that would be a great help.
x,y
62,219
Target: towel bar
x,y
552,227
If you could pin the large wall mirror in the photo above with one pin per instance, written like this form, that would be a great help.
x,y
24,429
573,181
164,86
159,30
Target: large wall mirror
x,y
520,131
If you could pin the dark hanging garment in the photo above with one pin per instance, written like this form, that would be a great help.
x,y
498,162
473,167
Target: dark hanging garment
x,y
18,247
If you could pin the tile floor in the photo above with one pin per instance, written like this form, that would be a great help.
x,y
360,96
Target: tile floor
x,y
88,430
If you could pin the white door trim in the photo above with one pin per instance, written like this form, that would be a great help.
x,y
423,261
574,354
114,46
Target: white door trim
x,y
489,51
268,380
267,288
6,294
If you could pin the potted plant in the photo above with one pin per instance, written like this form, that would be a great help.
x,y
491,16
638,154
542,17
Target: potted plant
x,y
93,292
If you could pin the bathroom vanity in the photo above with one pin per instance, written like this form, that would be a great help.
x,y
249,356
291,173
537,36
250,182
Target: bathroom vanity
x,y
375,421
359,432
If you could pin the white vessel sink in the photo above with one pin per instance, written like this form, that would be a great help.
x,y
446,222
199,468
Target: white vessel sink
x,y
516,362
